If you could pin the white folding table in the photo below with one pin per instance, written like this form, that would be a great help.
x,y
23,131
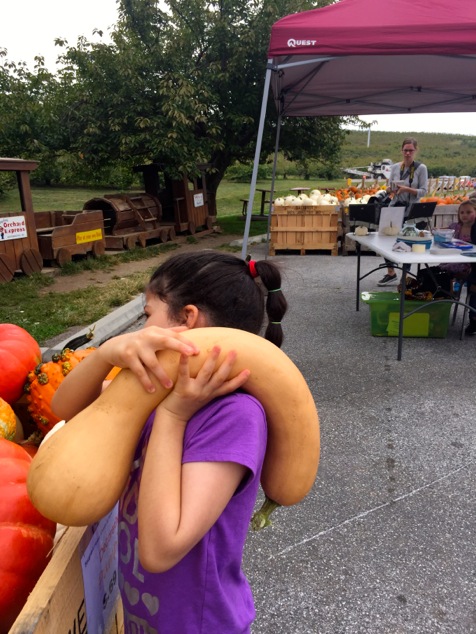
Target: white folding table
x,y
382,245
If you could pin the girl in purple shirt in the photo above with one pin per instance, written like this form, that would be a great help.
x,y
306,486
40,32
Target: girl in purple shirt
x,y
185,511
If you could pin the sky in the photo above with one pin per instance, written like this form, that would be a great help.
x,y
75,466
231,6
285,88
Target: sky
x,y
30,28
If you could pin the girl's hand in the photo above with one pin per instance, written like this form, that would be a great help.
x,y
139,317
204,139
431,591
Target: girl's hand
x,y
191,394
137,351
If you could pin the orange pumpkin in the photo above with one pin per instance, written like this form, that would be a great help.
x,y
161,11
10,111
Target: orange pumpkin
x,y
19,353
43,382
26,537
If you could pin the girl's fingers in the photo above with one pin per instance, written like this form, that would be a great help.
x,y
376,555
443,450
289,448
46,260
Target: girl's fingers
x,y
216,379
183,368
233,384
171,338
208,367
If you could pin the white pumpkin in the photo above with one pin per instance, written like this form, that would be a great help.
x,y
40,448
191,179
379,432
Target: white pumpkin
x,y
391,231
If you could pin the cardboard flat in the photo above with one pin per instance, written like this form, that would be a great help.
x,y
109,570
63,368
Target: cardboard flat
x,y
390,215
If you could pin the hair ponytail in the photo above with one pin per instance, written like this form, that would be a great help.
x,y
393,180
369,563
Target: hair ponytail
x,y
276,304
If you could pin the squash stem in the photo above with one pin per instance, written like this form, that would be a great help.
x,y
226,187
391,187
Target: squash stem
x,y
261,518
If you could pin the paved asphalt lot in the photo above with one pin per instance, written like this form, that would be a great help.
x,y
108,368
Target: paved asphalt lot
x,y
385,542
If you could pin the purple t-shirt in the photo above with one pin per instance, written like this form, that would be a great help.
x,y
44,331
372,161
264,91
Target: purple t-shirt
x,y
207,591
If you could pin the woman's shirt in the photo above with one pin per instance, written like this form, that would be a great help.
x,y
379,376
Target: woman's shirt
x,y
419,181
207,590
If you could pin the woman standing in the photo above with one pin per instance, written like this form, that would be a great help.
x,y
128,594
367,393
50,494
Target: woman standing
x,y
408,182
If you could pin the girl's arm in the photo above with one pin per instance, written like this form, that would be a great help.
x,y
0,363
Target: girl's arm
x,y
135,350
178,503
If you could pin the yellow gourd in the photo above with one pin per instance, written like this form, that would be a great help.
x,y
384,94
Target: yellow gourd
x,y
8,421
361,231
80,472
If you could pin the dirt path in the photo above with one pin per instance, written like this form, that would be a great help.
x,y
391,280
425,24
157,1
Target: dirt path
x,y
68,283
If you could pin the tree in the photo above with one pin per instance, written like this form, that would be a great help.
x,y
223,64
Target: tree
x,y
27,126
180,85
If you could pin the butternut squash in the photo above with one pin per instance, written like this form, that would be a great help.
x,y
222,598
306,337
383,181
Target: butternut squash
x,y
80,472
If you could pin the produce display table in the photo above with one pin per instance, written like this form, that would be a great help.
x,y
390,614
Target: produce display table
x,y
262,206
382,245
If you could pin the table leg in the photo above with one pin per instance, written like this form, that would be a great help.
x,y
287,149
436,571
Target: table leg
x,y
357,299
405,269
263,200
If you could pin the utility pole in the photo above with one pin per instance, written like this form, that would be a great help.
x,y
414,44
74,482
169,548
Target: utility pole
x,y
368,134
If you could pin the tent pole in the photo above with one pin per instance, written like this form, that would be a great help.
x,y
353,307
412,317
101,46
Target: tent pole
x,y
254,175
273,177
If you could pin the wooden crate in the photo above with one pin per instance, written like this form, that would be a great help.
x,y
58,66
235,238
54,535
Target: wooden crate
x,y
57,605
306,228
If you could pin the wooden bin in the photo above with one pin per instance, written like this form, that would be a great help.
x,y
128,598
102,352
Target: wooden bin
x,y
304,229
56,604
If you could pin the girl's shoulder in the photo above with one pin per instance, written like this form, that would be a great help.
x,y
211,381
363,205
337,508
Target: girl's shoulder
x,y
230,428
236,405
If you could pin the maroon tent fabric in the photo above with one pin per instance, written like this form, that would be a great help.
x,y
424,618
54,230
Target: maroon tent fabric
x,y
359,57
376,57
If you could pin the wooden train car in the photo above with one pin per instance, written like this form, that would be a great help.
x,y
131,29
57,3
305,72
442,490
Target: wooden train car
x,y
19,249
131,219
191,204
185,201
63,234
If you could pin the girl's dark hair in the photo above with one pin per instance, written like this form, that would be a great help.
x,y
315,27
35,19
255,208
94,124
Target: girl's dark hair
x,y
222,287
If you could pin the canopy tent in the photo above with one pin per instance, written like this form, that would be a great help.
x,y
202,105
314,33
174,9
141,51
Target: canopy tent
x,y
359,57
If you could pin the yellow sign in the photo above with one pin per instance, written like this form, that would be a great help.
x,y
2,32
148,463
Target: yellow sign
x,y
88,236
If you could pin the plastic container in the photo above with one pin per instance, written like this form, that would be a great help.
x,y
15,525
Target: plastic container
x,y
411,235
431,321
443,235
427,242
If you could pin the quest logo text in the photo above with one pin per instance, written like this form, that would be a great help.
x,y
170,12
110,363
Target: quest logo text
x,y
292,43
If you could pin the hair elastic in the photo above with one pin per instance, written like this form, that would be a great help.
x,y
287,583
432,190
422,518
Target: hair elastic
x,y
274,290
276,323
252,267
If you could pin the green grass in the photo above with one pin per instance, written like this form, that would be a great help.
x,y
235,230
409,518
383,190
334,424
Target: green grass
x,y
228,196
28,302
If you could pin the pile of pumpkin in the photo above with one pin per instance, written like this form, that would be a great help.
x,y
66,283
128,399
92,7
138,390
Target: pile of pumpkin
x,y
455,199
26,537
356,195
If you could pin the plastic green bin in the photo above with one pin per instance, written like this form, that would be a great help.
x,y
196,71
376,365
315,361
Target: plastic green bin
x,y
431,321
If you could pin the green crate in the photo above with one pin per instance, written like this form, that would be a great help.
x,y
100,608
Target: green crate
x,y
431,321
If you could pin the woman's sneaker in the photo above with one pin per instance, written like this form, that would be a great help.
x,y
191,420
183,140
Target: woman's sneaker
x,y
388,280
